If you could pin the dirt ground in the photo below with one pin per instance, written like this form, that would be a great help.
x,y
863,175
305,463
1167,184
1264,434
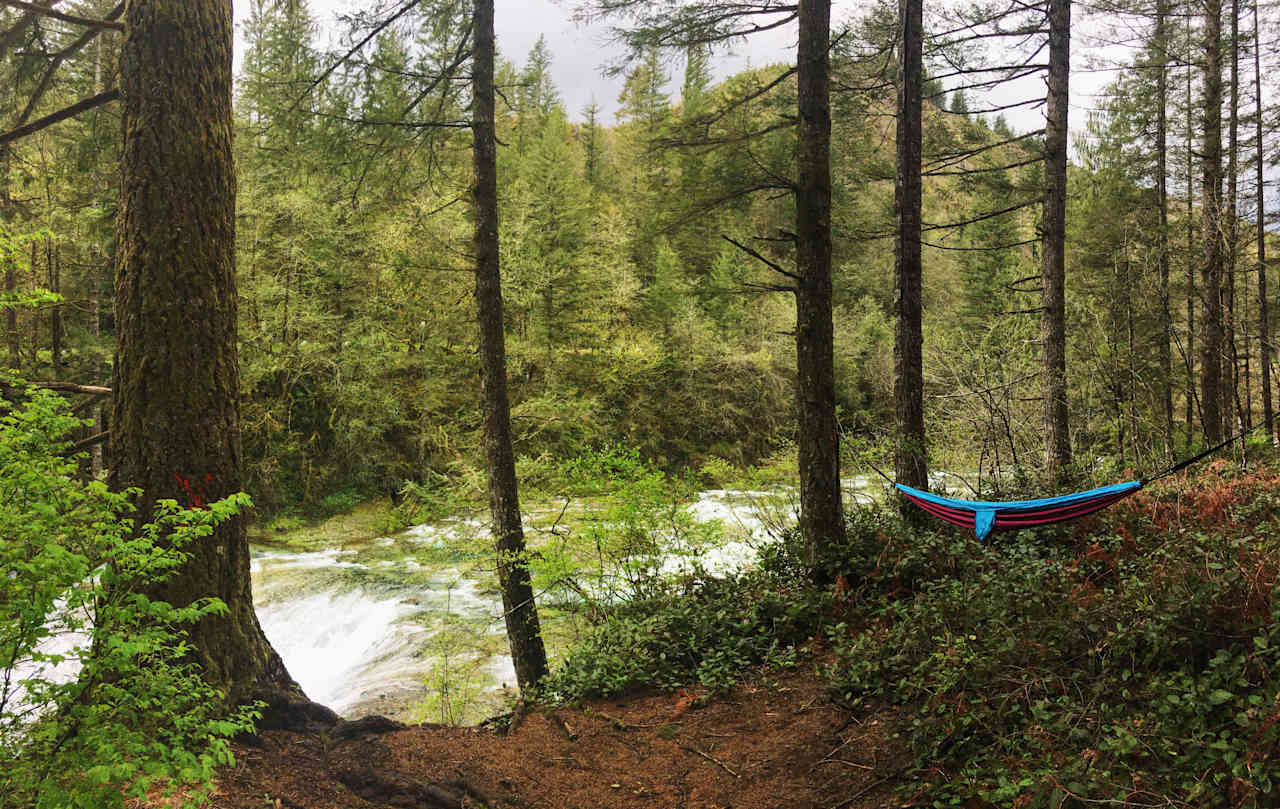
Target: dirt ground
x,y
776,742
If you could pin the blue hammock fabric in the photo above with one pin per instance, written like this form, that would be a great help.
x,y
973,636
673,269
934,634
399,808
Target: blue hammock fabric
x,y
985,516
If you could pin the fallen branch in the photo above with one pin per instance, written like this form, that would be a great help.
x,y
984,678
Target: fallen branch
x,y
712,759
72,387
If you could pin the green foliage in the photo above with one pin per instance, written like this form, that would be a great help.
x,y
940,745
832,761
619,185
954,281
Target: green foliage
x,y
98,701
1136,663
711,632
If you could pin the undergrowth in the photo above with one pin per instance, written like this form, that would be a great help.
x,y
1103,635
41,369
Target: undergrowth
x,y
1129,660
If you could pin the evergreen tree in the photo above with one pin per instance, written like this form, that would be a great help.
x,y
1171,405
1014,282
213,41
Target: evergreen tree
x,y
170,437
523,631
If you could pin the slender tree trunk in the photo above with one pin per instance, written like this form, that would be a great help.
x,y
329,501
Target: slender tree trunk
x,y
1053,325
1191,403
97,460
911,464
55,315
1162,194
11,314
175,429
1230,356
8,262
523,631
1211,171
821,515
1264,323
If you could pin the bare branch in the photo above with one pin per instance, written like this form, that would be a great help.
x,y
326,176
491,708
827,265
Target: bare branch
x,y
60,115
773,265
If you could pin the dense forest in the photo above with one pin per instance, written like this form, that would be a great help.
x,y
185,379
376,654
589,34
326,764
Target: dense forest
x,y
383,263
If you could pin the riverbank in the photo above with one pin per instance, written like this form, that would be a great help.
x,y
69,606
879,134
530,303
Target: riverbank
x,y
775,741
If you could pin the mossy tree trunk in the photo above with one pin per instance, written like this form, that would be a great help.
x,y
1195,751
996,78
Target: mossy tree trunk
x,y
175,418
821,515
523,631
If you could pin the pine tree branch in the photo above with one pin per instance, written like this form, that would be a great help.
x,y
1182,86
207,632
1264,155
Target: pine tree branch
x,y
928,226
966,172
60,115
44,11
71,50
377,29
773,265
10,37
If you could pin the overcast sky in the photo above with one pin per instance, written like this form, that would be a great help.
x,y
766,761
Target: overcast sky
x,y
579,54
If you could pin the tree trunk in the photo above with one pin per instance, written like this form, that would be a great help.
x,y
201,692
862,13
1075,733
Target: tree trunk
x,y
1162,193
1190,352
911,464
1211,209
1053,325
1230,357
8,262
1264,324
55,314
523,631
175,429
821,515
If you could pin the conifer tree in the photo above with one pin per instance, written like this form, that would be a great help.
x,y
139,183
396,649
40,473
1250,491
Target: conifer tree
x,y
908,378
523,630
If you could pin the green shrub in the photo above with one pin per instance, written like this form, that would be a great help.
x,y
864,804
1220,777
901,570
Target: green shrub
x,y
713,632
1134,663
127,713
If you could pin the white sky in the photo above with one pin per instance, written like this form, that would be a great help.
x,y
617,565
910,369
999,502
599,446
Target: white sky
x,y
579,55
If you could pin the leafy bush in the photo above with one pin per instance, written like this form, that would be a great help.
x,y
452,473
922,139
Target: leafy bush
x,y
714,632
1137,663
97,698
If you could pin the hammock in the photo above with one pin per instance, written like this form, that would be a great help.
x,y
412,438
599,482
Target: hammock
x,y
986,516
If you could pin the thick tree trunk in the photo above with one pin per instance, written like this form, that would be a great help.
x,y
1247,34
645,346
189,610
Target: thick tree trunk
x,y
911,464
821,515
1211,404
523,631
1053,324
175,429
1264,324
1162,192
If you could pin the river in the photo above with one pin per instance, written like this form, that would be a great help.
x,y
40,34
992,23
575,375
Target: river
x,y
410,625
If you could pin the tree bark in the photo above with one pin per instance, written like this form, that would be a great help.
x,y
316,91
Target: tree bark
x,y
523,631
1162,192
1191,398
910,460
821,515
1230,356
1264,323
55,315
1053,326
7,261
1211,211
175,430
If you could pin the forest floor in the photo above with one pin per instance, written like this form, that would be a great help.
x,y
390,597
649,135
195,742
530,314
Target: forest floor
x,y
775,742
